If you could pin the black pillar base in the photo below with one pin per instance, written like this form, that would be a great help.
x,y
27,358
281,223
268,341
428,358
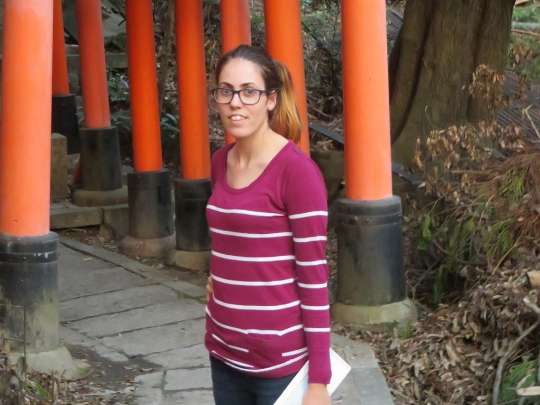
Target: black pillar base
x,y
191,197
150,205
64,120
370,265
101,168
29,311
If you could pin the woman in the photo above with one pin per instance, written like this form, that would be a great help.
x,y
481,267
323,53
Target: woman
x,y
267,311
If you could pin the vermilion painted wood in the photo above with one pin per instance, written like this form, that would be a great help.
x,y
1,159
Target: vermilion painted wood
x,y
368,173
192,91
143,86
25,118
284,42
60,80
93,68
235,29
235,24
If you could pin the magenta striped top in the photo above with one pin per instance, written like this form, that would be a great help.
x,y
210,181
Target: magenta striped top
x,y
269,312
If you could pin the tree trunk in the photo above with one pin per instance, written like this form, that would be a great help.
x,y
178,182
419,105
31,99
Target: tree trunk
x,y
437,51
165,57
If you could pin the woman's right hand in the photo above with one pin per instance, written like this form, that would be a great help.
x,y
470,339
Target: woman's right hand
x,y
209,288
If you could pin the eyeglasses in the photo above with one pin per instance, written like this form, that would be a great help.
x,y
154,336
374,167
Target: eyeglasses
x,y
223,95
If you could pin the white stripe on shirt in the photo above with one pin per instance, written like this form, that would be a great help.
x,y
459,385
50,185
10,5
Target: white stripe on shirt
x,y
257,307
309,214
255,331
253,259
228,345
252,235
315,308
253,283
314,263
287,354
262,370
323,285
244,212
316,329
311,239
233,361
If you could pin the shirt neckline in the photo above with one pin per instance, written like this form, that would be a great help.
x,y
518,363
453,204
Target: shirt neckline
x,y
263,174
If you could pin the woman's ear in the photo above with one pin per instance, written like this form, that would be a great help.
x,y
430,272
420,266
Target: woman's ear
x,y
272,100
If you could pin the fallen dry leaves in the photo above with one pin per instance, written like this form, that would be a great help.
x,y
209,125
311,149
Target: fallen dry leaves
x,y
450,355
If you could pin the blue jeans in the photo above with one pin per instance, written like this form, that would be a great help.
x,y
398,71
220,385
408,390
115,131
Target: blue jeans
x,y
232,387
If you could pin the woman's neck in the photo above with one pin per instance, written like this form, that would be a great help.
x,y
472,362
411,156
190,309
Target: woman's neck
x,y
256,147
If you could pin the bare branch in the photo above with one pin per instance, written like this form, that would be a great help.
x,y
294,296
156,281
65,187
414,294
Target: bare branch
x,y
504,359
526,32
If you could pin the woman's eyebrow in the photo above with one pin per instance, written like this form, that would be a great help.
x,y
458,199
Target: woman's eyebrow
x,y
242,85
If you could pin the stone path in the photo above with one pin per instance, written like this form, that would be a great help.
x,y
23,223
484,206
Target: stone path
x,y
134,316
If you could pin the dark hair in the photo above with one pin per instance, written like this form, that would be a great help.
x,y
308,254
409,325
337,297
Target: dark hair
x,y
285,118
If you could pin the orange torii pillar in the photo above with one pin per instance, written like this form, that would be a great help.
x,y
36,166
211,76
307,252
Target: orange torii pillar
x,y
101,167
28,250
235,29
371,278
284,42
64,106
151,226
192,190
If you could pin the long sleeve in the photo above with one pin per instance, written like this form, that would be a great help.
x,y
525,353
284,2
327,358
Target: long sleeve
x,y
306,205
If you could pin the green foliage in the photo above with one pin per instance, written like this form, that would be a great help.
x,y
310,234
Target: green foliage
x,y
36,388
524,55
456,238
481,209
119,101
407,332
500,240
121,119
460,239
524,48
119,96
527,13
441,286
513,184
426,236
322,49
118,86
319,4
521,376
170,126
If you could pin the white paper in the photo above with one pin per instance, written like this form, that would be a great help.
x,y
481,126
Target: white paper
x,y
294,392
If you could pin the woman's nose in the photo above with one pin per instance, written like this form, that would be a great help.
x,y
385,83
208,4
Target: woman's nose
x,y
235,101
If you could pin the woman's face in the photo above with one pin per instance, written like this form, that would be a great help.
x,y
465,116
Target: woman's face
x,y
241,120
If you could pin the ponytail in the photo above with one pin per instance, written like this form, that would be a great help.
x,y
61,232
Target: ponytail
x,y
285,118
